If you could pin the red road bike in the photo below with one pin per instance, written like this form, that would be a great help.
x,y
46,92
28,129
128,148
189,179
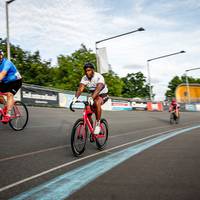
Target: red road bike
x,y
173,117
84,126
19,113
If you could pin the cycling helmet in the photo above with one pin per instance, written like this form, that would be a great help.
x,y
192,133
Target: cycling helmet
x,y
1,52
88,65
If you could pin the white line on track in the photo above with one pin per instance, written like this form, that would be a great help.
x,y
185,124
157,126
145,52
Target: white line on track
x,y
80,159
64,146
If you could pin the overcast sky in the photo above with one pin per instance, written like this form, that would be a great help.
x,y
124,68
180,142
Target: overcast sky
x,y
57,27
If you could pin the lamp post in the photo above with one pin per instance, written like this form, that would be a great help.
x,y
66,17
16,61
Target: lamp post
x,y
187,82
96,43
148,69
7,28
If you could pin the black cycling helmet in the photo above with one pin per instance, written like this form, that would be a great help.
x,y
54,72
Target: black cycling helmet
x,y
1,52
88,65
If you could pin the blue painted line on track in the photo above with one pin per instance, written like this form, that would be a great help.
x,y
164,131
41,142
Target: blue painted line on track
x,y
63,186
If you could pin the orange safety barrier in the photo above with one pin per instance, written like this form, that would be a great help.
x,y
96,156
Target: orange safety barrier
x,y
160,106
149,106
154,106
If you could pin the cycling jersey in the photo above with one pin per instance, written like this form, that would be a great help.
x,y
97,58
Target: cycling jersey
x,y
12,72
92,84
174,107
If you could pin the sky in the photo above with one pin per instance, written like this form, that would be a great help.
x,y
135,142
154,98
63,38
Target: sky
x,y
56,27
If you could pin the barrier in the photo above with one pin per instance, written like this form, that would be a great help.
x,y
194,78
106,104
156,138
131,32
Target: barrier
x,y
139,105
66,99
107,105
121,105
17,96
151,106
42,96
190,107
33,95
198,107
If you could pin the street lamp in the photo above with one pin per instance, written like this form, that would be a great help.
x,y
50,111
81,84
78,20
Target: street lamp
x,y
148,69
7,28
187,82
137,30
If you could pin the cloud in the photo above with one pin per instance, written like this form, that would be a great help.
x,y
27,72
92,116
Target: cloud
x,y
134,66
57,27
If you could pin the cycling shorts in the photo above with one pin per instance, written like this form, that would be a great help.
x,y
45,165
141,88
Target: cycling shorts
x,y
11,87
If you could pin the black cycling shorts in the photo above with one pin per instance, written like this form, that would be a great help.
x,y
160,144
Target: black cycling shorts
x,y
104,97
11,87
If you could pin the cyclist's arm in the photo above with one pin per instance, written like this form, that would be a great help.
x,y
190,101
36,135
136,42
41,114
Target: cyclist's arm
x,y
2,75
80,90
5,70
98,89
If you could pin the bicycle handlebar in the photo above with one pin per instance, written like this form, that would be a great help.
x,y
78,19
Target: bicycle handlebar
x,y
70,107
71,104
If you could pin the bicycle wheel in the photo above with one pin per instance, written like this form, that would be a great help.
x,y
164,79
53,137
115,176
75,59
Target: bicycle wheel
x,y
78,137
102,138
19,116
171,118
177,119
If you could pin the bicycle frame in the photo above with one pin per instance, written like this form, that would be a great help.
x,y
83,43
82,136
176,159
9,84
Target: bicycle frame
x,y
86,112
83,126
2,111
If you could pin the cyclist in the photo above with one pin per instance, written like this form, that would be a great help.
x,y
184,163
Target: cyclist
x,y
174,106
99,92
10,83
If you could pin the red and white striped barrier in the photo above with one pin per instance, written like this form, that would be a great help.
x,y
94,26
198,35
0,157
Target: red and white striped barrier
x,y
151,106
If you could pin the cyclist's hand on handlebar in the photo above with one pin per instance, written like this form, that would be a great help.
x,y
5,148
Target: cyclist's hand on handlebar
x,y
90,101
74,100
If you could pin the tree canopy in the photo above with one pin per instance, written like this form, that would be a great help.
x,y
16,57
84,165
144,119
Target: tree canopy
x,y
69,70
135,85
176,80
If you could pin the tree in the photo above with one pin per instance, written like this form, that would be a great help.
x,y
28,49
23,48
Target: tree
x,y
68,73
135,86
114,83
177,81
172,86
70,68
30,65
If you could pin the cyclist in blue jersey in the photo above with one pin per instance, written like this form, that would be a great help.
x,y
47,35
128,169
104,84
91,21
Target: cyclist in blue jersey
x,y
10,83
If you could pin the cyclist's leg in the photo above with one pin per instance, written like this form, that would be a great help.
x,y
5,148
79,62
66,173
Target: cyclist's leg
x,y
97,108
99,101
11,89
10,101
176,112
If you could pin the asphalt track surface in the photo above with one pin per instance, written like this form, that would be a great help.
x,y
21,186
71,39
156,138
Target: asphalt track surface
x,y
169,169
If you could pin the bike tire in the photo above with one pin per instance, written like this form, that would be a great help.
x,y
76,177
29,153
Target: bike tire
x,y
101,142
77,150
171,121
20,122
177,120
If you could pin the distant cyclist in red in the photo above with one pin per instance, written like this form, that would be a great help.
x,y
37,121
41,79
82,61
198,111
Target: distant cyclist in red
x,y
174,106
99,92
